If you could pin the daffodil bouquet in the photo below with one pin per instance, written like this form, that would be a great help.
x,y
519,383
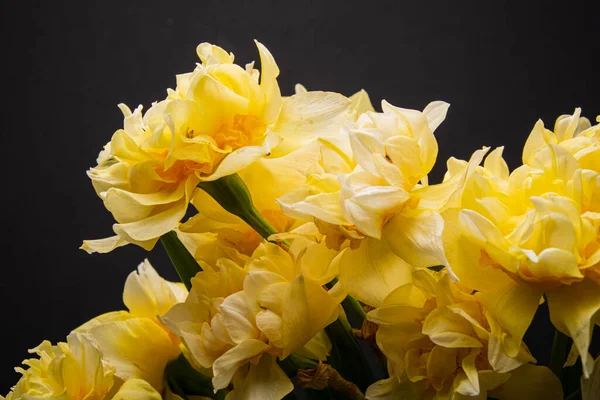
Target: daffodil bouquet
x,y
320,263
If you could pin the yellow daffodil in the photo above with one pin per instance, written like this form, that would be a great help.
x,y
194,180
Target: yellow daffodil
x,y
534,232
369,177
572,132
119,355
441,343
220,119
135,342
75,370
371,183
238,320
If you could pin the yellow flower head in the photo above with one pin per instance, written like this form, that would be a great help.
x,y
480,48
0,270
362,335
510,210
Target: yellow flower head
x,y
212,125
440,342
535,231
117,355
366,187
238,320
220,119
135,342
73,370
366,177
572,132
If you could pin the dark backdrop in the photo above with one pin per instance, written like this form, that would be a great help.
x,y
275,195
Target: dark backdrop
x,y
68,64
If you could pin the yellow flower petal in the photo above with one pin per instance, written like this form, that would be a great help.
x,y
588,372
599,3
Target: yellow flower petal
x,y
467,382
389,389
307,310
104,245
136,347
464,257
530,382
417,238
513,306
227,365
372,271
360,102
160,223
238,318
243,157
445,328
147,295
137,389
264,381
305,116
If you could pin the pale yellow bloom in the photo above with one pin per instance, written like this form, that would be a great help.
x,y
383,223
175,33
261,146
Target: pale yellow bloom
x,y
147,295
118,355
368,176
237,321
534,231
572,132
74,370
220,119
441,343
135,342
371,182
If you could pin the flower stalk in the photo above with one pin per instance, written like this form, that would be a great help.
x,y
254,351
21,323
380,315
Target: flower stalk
x,y
185,264
319,377
560,350
185,381
233,195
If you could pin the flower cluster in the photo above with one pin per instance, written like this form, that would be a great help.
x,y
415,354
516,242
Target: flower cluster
x,y
312,215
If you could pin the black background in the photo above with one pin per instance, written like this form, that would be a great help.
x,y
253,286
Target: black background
x,y
68,64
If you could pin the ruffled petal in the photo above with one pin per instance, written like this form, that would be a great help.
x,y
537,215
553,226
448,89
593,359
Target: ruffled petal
x,y
137,389
370,272
530,382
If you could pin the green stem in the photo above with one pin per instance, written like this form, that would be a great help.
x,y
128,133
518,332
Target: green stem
x,y
185,381
575,395
255,219
346,355
233,195
560,350
352,307
185,264
355,310
292,363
